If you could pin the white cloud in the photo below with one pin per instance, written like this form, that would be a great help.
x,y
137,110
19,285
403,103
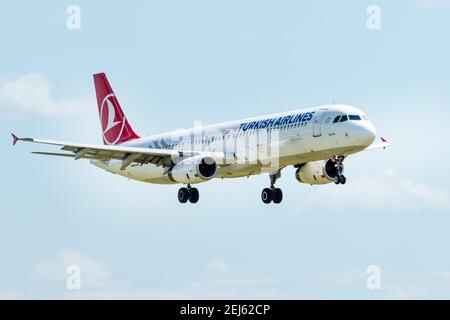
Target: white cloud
x,y
218,265
342,277
32,94
93,273
229,288
389,191
226,288
14,294
238,282
443,275
233,288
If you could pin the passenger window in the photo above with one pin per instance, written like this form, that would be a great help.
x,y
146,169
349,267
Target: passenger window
x,y
336,119
354,117
344,118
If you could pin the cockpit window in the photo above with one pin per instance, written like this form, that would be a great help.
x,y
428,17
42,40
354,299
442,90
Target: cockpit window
x,y
354,117
344,118
336,119
364,117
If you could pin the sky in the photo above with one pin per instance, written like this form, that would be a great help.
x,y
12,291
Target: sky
x,y
175,62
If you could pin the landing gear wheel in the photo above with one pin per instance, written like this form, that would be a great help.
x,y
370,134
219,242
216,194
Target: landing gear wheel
x,y
337,179
266,195
277,195
183,195
342,179
193,195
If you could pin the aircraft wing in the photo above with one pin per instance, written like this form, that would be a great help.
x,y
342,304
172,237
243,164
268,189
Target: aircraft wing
x,y
378,145
159,157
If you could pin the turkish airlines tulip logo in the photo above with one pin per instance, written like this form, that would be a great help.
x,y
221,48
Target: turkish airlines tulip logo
x,y
113,121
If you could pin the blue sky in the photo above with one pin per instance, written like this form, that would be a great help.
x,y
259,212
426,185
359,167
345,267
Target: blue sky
x,y
173,63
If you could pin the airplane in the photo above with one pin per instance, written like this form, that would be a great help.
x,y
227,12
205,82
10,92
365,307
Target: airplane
x,y
314,140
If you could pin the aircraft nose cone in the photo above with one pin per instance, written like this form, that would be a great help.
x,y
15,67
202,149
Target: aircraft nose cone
x,y
367,133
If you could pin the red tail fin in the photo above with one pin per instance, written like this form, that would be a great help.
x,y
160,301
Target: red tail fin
x,y
115,126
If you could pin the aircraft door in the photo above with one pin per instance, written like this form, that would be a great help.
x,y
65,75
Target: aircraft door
x,y
317,124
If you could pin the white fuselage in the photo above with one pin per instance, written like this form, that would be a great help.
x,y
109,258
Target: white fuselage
x,y
289,138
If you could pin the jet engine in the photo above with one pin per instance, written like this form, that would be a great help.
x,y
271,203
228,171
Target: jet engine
x,y
319,172
193,170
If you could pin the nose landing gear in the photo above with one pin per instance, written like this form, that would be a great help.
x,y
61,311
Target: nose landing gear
x,y
340,179
272,194
338,162
189,193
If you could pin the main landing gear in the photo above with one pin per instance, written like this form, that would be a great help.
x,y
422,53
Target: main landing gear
x,y
272,194
189,193
338,162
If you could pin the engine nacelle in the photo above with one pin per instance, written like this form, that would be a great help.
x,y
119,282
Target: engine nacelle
x,y
318,172
193,170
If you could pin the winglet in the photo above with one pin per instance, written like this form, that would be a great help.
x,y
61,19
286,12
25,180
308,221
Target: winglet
x,y
379,145
384,142
15,139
